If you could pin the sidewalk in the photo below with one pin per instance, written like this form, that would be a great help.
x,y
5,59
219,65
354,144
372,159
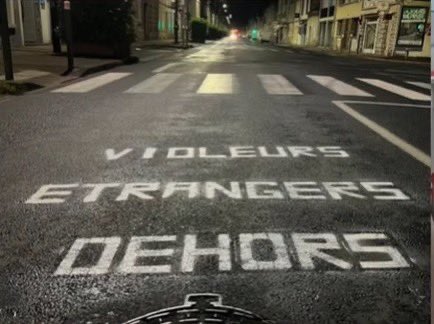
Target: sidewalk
x,y
329,52
38,65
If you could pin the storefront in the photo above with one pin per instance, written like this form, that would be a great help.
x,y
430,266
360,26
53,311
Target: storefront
x,y
390,29
412,29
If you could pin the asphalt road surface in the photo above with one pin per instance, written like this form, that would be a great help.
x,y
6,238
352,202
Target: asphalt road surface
x,y
295,185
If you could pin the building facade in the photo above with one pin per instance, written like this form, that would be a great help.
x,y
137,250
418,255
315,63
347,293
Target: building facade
x,y
155,19
29,21
371,27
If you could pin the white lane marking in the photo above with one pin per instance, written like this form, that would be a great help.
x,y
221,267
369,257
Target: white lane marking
x,y
143,256
277,240
276,84
422,85
232,152
192,253
403,105
155,84
111,155
111,245
218,84
386,134
356,243
273,50
339,87
165,67
92,83
313,246
136,251
401,91
250,190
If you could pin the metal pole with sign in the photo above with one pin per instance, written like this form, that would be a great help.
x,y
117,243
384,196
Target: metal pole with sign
x,y
68,35
6,43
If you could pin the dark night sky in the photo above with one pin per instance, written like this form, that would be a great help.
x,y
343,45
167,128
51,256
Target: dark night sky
x,y
243,10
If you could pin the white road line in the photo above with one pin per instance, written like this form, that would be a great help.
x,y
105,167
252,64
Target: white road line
x,y
422,85
92,83
386,134
276,84
218,84
401,91
387,104
273,50
155,84
165,67
339,87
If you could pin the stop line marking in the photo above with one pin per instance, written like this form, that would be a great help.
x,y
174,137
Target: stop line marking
x,y
385,133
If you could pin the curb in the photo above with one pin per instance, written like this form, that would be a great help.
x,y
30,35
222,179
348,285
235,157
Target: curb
x,y
365,57
77,74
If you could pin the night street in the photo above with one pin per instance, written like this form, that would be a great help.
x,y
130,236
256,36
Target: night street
x,y
293,183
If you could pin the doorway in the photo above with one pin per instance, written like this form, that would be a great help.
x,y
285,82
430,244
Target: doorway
x,y
370,36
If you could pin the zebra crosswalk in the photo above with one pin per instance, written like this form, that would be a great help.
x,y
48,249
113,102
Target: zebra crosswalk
x,y
155,84
272,84
92,83
339,87
278,85
218,84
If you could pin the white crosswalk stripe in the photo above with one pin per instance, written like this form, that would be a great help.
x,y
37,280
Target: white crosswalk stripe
x,y
218,84
155,84
92,83
401,91
276,84
339,87
228,83
165,67
422,85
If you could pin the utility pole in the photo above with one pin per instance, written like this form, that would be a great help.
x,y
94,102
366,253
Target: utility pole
x,y
55,30
176,21
6,43
68,34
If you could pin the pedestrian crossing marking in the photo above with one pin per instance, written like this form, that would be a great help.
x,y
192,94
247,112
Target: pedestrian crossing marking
x,y
155,84
165,67
214,83
401,91
339,87
422,85
218,84
276,84
92,83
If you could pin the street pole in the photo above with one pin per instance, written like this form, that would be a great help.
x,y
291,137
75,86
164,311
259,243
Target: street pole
x,y
6,43
68,35
176,21
55,32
